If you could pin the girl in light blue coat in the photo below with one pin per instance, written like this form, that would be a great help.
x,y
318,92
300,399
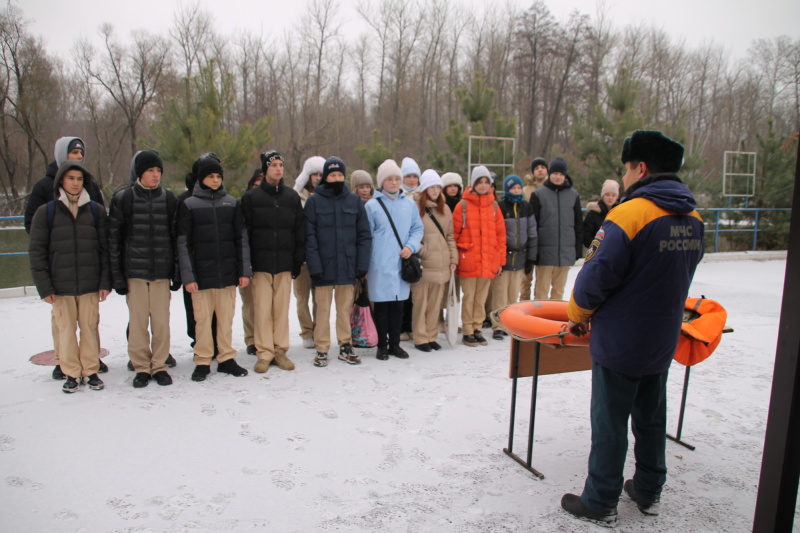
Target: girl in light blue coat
x,y
387,290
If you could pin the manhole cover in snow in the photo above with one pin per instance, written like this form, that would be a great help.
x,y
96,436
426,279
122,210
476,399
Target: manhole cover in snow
x,y
48,358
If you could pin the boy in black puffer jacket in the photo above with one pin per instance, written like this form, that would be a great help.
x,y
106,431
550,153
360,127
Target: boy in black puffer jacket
x,y
142,253
214,259
276,227
69,264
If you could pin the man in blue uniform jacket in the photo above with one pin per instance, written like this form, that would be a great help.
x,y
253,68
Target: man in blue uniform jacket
x,y
632,288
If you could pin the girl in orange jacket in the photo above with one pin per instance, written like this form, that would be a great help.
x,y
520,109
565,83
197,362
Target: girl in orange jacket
x,y
480,235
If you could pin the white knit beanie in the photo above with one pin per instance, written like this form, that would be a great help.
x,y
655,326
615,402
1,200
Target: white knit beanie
x,y
451,178
409,166
311,166
609,186
429,178
477,173
387,168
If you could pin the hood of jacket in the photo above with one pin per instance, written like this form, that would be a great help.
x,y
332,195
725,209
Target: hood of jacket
x,y
189,181
60,151
88,179
666,191
311,166
133,177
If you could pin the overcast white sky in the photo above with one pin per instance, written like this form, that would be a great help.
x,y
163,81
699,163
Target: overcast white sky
x,y
731,24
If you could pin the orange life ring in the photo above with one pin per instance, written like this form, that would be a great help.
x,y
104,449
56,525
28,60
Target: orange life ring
x,y
539,318
701,330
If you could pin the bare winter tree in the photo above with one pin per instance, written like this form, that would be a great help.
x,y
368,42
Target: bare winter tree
x,y
29,93
535,40
130,75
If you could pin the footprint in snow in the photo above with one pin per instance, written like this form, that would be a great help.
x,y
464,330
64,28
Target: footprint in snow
x,y
23,483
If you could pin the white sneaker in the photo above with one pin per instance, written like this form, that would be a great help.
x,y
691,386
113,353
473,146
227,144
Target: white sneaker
x,y
308,343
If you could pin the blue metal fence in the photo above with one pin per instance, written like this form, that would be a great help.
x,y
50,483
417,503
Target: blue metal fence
x,y
5,219
719,221
724,220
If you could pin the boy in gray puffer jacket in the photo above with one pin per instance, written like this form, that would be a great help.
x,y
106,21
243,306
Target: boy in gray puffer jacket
x,y
214,258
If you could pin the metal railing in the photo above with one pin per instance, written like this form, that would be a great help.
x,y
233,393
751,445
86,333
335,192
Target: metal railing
x,y
719,224
716,225
12,219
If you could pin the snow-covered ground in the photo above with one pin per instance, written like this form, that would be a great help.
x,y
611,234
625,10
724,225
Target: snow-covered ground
x,y
411,446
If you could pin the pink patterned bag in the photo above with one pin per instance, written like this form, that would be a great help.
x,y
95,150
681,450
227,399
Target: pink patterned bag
x,y
364,333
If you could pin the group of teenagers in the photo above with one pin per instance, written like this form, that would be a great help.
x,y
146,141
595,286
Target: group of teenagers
x,y
323,239
319,239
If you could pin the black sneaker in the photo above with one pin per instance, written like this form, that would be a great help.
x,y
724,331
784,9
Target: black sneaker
x,y
347,354
162,378
435,346
103,368
470,340
486,324
251,349
71,385
58,373
321,359
398,352
130,365
382,354
171,362
425,347
648,508
497,335
95,383
572,504
231,367
141,380
479,337
201,372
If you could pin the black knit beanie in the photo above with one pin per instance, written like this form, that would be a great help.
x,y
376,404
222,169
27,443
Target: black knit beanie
x,y
332,164
267,158
206,166
539,161
147,159
76,143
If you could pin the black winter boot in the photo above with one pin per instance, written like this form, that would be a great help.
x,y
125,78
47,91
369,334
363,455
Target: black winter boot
x,y
141,380
398,352
231,367
201,372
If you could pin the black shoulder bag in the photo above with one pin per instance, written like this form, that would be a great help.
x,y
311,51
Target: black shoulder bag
x,y
411,268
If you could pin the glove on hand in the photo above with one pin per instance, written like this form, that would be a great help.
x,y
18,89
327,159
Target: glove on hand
x,y
528,267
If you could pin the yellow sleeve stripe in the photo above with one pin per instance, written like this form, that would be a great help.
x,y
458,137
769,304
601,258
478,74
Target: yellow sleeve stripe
x,y
576,313
635,214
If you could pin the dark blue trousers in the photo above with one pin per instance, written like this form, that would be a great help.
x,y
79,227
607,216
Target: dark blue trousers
x,y
616,397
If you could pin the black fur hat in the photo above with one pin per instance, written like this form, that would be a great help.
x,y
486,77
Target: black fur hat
x,y
655,149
